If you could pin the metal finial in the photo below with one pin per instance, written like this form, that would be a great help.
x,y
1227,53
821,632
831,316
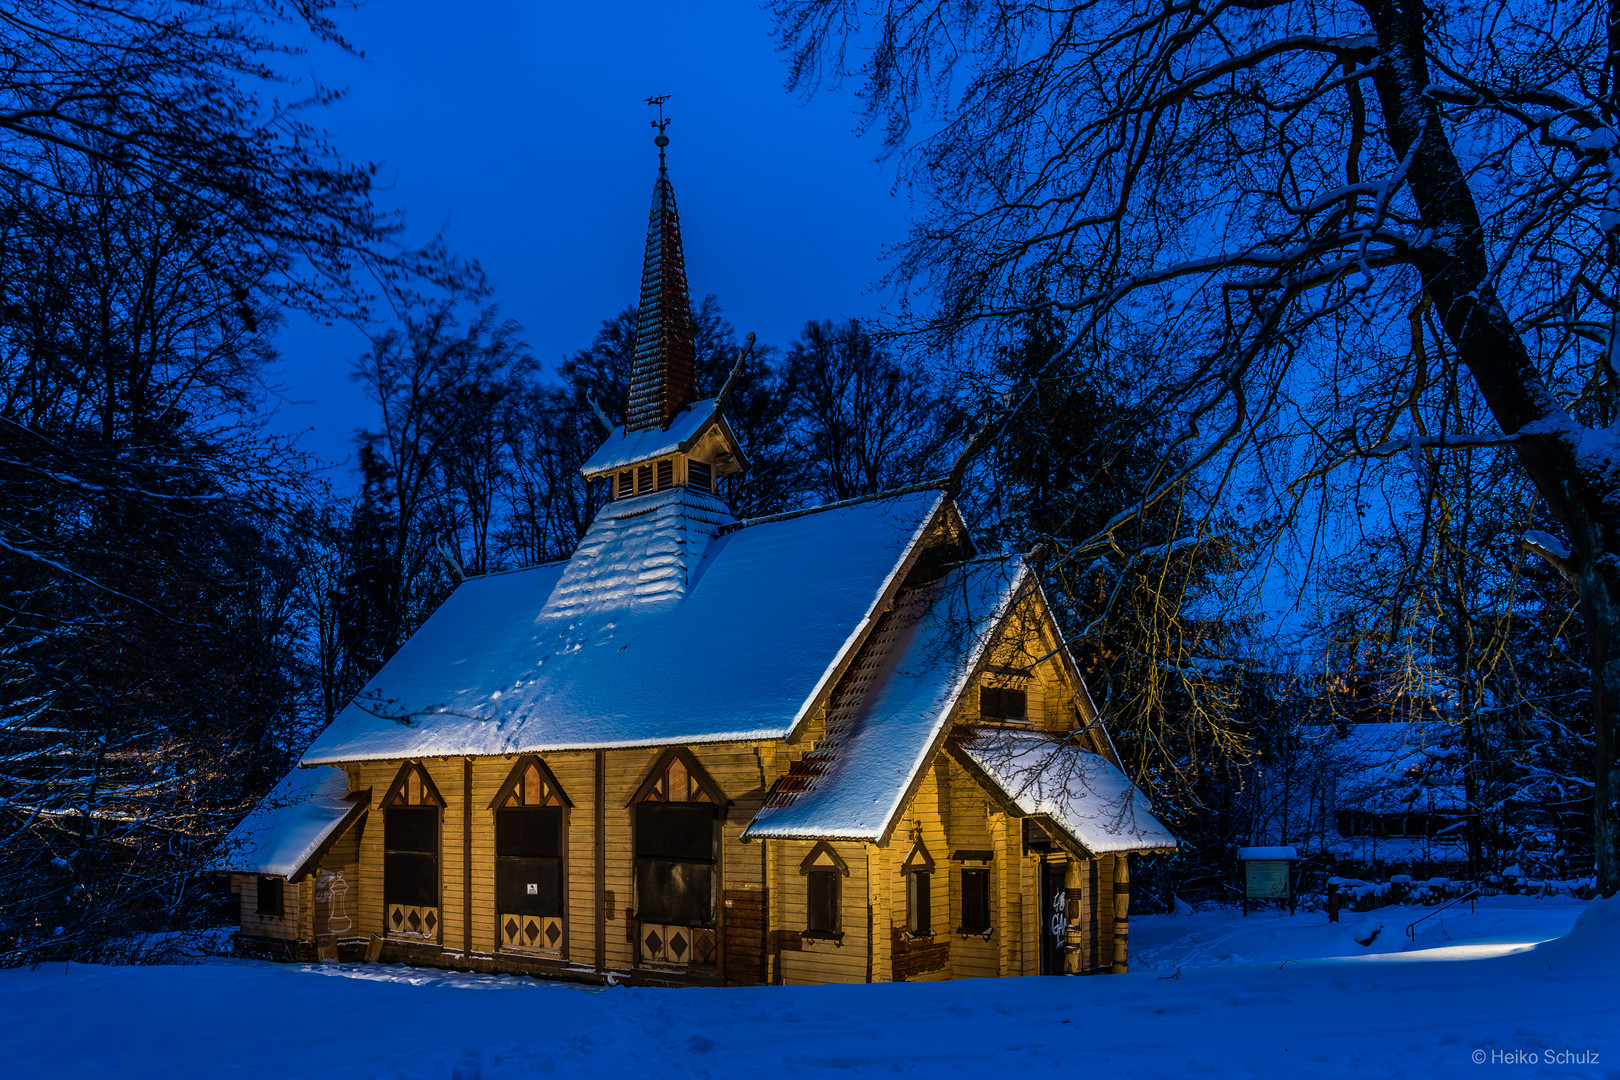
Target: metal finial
x,y
661,123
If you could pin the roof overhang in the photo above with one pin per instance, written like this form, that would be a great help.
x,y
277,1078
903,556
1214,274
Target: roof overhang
x,y
625,450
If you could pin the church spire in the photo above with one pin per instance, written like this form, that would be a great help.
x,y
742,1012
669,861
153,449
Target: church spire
x,y
662,381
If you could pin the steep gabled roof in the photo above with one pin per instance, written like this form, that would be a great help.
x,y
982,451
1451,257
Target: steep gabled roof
x,y
890,716
744,651
293,825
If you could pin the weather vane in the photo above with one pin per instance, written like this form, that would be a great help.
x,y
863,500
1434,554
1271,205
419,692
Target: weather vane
x,y
661,123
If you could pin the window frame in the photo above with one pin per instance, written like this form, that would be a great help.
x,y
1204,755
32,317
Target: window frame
x,y
436,855
278,887
964,927
413,789
695,788
559,860
920,903
918,870
1002,696
641,862
824,866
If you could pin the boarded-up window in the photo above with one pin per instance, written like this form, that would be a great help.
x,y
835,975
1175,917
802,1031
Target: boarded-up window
x,y
411,855
975,901
1001,703
699,475
674,850
528,860
920,902
268,894
821,901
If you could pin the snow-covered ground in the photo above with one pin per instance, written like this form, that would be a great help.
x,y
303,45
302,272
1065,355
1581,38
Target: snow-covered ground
x,y
1211,995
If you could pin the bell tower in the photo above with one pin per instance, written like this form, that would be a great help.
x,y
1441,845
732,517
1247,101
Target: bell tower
x,y
670,438
649,543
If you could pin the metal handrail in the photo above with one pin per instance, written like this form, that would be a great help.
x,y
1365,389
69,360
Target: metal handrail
x,y
1472,896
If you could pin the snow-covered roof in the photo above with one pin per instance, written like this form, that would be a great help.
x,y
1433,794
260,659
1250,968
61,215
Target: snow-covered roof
x,y
1267,853
1081,793
622,449
930,649
291,825
763,622
638,550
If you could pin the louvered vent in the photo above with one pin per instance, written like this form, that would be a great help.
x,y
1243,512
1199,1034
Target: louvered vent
x,y
666,474
644,478
627,483
699,475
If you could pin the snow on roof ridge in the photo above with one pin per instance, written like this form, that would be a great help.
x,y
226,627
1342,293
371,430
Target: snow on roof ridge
x,y
805,511
622,449
503,571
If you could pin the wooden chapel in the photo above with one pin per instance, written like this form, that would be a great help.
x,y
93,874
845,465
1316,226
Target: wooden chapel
x,y
835,745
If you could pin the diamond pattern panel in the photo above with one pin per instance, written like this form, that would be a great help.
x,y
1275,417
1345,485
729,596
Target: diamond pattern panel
x,y
408,921
532,934
679,946
704,949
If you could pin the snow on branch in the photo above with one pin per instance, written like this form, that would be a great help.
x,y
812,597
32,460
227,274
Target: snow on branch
x,y
1549,547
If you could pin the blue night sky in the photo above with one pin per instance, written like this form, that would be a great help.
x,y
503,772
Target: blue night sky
x,y
521,129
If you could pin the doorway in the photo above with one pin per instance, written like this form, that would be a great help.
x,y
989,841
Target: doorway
x,y
1054,915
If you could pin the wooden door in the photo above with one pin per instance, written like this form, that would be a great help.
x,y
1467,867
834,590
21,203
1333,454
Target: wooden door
x,y
1054,915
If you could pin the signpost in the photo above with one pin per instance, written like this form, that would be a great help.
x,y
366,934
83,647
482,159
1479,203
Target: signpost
x,y
1268,874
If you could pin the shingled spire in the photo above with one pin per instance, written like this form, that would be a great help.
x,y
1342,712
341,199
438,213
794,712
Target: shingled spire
x,y
661,379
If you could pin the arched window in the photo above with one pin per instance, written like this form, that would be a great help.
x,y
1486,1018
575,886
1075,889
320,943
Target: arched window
x,y
411,811
531,835
677,844
824,873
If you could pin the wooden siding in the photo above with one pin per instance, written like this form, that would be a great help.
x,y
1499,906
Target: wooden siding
x,y
292,925
807,960
762,894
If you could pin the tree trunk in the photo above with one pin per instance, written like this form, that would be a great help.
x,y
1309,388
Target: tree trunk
x,y
1454,267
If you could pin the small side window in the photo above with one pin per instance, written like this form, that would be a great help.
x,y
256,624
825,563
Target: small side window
x,y
269,896
920,902
975,901
998,703
821,901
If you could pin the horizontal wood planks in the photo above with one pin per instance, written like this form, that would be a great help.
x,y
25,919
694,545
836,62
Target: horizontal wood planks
x,y
763,897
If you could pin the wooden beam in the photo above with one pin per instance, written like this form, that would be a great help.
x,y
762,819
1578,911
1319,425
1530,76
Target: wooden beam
x,y
466,856
601,863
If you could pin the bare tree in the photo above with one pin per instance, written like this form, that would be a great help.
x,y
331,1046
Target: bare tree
x,y
1279,194
863,421
181,97
439,456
